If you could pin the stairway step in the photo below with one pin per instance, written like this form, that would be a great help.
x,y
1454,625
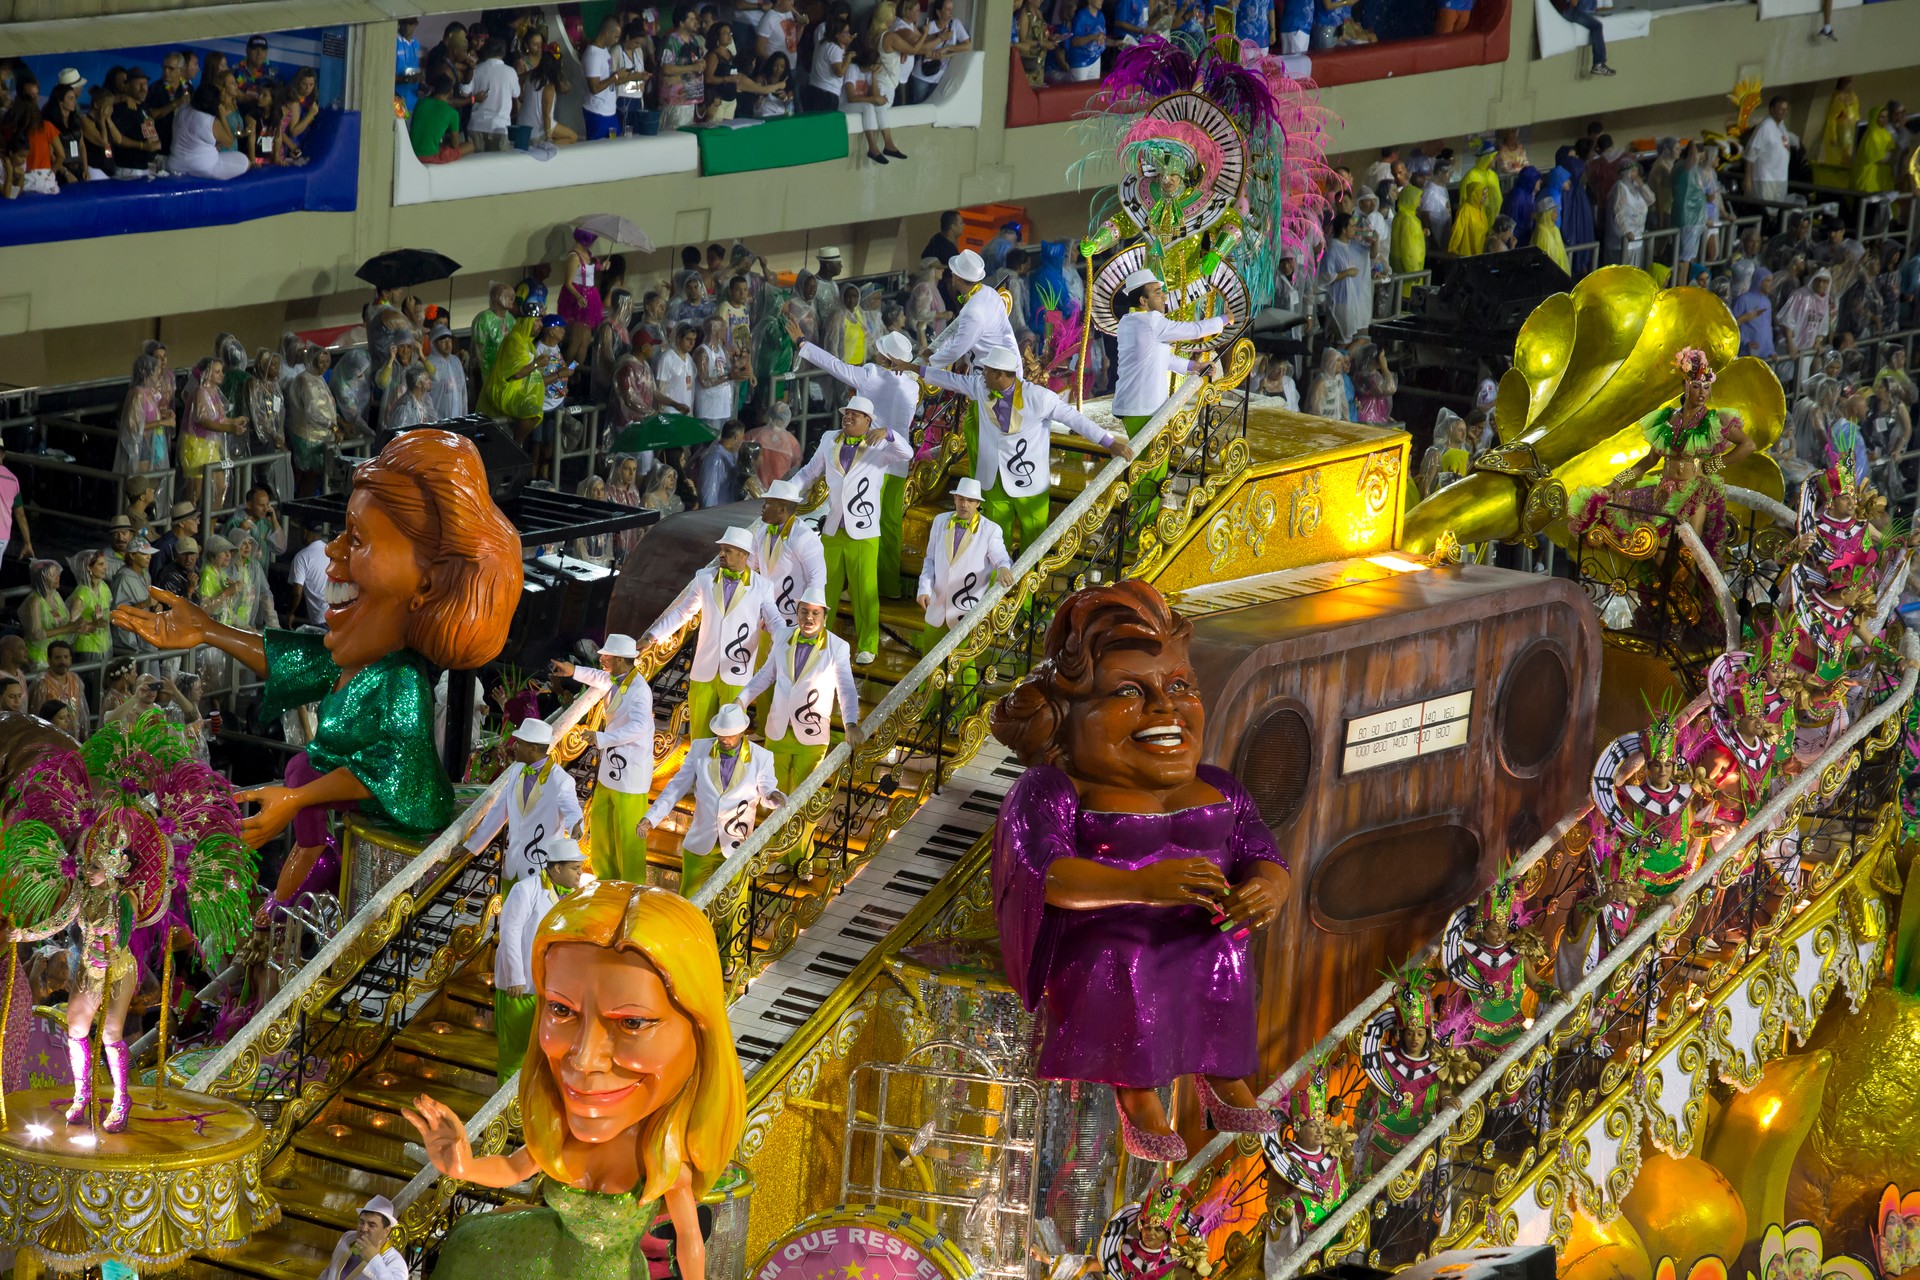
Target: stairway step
x,y
447,1037
292,1249
325,1191
474,984
402,1076
348,1133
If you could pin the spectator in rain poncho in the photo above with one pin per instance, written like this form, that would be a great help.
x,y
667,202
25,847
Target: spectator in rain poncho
x,y
449,395
1627,209
624,488
926,307
692,306
1520,202
632,392
146,416
293,355
776,352
610,345
1346,276
599,548
1327,395
1546,232
1450,455
411,403
779,450
352,383
312,414
264,401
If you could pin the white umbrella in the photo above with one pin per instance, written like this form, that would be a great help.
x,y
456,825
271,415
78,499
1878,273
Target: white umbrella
x,y
611,226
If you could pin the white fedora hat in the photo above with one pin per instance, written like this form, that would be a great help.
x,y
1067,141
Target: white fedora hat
x,y
564,849
1005,359
815,595
728,720
535,730
619,646
896,345
967,265
967,487
858,404
736,537
784,491
1138,278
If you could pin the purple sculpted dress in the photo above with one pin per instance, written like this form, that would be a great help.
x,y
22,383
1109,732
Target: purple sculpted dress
x,y
1135,996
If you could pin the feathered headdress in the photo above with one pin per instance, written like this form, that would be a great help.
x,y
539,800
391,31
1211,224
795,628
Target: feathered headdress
x,y
133,802
1745,97
1310,1096
1662,740
1504,903
1413,995
1161,140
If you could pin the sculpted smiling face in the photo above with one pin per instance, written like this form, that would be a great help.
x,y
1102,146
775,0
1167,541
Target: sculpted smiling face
x,y
1140,725
375,582
619,1048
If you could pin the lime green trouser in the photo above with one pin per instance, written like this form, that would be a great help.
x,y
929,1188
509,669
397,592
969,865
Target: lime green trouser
x,y
1146,490
964,681
695,868
512,1029
704,697
852,565
614,847
793,760
1021,520
893,514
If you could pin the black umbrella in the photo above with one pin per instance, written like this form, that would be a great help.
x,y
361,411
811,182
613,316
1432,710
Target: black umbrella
x,y
399,268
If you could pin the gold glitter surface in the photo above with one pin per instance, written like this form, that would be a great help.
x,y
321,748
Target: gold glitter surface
x,y
1867,1133
1603,1251
1685,1209
1758,1132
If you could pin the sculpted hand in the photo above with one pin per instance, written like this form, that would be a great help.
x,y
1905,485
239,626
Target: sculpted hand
x,y
443,1135
278,807
1181,882
183,626
1253,903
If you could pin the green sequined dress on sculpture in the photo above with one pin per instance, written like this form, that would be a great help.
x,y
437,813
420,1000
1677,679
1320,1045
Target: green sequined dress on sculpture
x,y
379,727
575,1235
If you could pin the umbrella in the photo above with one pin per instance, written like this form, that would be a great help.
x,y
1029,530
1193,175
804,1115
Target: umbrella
x,y
397,268
611,226
661,431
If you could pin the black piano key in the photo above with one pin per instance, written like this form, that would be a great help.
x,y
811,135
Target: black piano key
x,y
978,805
951,829
757,1042
801,993
863,934
944,855
791,1019
795,1005
878,910
828,970
914,877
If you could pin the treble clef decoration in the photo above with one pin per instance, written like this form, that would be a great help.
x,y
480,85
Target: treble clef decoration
x,y
739,652
808,722
533,844
616,766
1019,466
739,823
786,601
966,597
860,506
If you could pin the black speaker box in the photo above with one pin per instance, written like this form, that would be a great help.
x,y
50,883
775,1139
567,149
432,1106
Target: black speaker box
x,y
1496,290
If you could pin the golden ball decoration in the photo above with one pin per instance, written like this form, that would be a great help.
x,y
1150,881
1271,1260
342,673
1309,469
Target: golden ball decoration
x,y
1598,1250
1867,1132
1685,1209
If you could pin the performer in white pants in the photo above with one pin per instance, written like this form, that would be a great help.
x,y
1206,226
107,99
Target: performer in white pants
x,y
735,608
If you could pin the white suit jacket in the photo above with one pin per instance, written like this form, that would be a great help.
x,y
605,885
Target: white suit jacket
x,y
981,325
729,638
853,493
1021,456
723,817
804,693
955,580
626,743
792,561
526,906
553,810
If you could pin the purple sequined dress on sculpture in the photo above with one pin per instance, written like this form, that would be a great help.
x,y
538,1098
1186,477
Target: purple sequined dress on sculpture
x,y
1134,995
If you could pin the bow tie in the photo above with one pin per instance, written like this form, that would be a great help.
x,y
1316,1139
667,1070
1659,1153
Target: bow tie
x,y
733,575
970,525
801,638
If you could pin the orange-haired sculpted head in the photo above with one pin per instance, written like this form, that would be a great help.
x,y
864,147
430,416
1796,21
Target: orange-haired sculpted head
x,y
426,560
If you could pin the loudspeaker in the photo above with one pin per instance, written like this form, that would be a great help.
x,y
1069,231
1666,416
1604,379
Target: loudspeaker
x,y
508,466
1402,739
1495,290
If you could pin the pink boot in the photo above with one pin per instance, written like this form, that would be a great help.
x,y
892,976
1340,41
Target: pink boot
x,y
80,1059
120,1067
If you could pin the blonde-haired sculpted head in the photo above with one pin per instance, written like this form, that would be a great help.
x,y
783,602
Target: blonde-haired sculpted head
x,y
701,1126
